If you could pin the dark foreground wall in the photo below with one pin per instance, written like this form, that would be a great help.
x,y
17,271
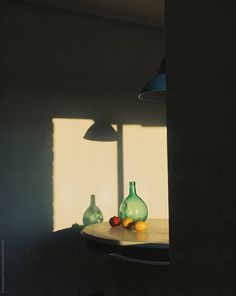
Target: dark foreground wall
x,y
201,139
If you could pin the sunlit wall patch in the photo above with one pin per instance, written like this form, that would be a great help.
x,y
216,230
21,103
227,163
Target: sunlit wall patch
x,y
82,168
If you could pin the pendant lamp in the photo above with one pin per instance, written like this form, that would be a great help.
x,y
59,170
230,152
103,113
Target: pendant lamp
x,y
155,89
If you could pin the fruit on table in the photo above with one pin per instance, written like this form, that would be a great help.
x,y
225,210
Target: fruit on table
x,y
114,221
140,226
127,222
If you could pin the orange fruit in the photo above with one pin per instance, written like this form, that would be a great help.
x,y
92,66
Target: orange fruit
x,y
140,226
127,222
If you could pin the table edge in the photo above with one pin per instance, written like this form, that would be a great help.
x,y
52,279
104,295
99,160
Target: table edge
x,y
126,243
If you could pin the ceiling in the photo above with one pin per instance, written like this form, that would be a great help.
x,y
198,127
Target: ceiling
x,y
143,12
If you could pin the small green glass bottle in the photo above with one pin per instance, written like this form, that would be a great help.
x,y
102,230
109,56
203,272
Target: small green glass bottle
x,y
133,206
93,214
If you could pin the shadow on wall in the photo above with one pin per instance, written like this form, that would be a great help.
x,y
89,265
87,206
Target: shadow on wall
x,y
65,65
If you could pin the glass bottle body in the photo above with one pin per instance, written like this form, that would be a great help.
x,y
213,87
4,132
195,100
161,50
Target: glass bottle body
x,y
133,206
93,214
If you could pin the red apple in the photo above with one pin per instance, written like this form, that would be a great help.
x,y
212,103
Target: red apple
x,y
114,221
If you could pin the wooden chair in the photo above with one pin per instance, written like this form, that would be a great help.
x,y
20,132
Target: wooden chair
x,y
133,276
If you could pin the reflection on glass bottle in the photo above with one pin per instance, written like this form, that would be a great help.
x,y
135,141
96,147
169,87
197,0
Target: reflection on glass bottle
x,y
133,206
93,214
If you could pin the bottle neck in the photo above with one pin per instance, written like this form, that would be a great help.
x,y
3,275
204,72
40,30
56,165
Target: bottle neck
x,y
132,188
92,200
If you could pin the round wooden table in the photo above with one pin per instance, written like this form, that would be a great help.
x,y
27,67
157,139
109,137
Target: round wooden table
x,y
157,234
152,244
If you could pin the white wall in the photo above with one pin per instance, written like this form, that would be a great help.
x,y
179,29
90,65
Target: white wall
x,y
83,167
145,161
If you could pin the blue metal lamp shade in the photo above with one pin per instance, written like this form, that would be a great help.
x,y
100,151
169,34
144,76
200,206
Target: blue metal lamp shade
x,y
155,89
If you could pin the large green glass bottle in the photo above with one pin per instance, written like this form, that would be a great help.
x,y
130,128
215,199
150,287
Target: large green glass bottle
x,y
133,206
93,214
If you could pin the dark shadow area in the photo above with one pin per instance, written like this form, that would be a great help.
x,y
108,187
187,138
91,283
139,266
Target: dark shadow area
x,y
148,253
120,163
61,64
201,146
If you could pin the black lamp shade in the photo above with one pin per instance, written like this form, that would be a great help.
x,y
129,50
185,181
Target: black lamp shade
x,y
101,131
